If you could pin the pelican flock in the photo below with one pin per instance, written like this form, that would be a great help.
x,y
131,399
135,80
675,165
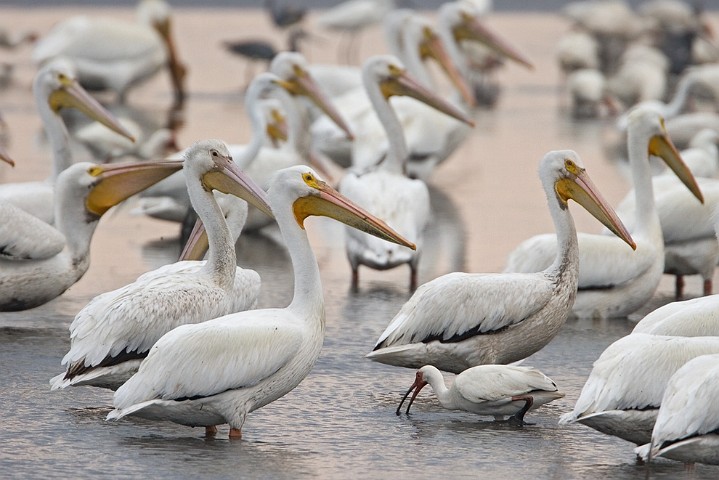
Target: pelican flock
x,y
207,342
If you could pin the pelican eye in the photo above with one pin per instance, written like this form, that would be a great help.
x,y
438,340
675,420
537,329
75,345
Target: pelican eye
x,y
95,171
395,70
299,71
571,167
214,153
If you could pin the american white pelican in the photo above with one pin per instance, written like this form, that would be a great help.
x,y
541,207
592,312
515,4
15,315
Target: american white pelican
x,y
479,60
494,390
691,318
117,55
350,18
55,88
690,245
641,77
577,50
218,371
587,92
460,320
625,388
384,188
614,281
687,426
83,193
684,127
260,163
612,23
168,200
114,332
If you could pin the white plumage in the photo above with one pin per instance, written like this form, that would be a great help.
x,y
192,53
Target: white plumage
x,y
111,335
44,269
690,318
55,87
385,189
494,390
117,55
218,371
624,391
688,420
460,320
613,280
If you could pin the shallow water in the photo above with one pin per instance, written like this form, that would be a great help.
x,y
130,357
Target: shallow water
x,y
340,420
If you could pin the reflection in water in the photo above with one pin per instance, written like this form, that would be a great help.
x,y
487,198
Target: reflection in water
x,y
445,238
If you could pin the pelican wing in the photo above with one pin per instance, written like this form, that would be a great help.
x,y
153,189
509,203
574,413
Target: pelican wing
x,y
690,318
134,317
689,402
456,305
604,261
205,359
496,382
103,40
25,237
633,372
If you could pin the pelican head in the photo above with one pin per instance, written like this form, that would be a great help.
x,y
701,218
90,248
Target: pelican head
x,y
425,375
645,124
462,19
419,32
210,161
310,195
57,82
393,79
561,171
157,14
293,69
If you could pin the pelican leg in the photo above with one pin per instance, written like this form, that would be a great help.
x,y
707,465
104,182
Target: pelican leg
x,y
235,433
518,418
679,287
210,431
708,287
412,278
355,278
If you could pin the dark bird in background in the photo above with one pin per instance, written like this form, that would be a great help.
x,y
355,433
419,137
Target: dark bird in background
x,y
258,50
285,16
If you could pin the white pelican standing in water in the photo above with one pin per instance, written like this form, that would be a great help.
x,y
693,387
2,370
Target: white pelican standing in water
x,y
613,281
114,54
50,260
115,331
494,390
687,426
55,87
217,372
691,318
385,189
690,244
460,320
624,390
